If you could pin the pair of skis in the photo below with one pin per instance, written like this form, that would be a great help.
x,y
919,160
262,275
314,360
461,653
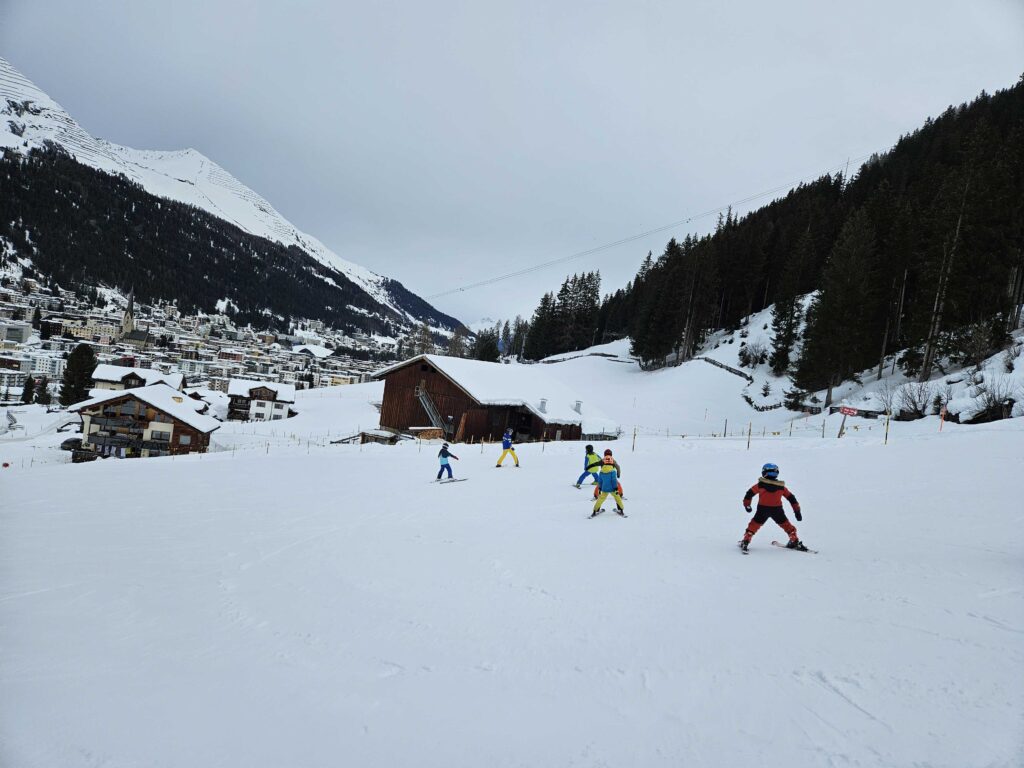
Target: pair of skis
x,y
783,546
595,514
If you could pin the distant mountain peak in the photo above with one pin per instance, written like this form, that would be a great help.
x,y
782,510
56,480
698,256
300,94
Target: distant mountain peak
x,y
30,119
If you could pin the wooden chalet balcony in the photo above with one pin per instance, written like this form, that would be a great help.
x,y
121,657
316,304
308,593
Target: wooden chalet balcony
x,y
115,440
115,422
126,441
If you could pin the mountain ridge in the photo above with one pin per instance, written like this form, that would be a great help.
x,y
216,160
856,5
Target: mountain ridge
x,y
34,121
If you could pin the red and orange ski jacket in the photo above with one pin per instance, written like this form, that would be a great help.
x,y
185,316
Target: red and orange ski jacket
x,y
770,494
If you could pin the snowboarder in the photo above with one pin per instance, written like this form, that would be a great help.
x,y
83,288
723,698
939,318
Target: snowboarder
x,y
506,448
770,491
444,454
589,458
609,484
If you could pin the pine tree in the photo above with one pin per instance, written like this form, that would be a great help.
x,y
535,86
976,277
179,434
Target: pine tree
x,y
520,328
424,341
77,375
28,391
457,343
540,341
506,339
834,348
485,347
786,311
43,396
37,319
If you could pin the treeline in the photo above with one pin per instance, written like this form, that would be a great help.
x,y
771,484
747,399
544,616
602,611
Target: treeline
x,y
563,322
80,226
923,250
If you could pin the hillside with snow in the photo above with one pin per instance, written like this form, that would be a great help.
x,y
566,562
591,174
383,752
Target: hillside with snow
x,y
30,119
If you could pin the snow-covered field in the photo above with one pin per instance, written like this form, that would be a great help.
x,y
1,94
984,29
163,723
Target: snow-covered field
x,y
286,601
324,606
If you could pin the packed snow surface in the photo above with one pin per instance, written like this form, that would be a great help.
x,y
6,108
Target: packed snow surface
x,y
288,601
331,605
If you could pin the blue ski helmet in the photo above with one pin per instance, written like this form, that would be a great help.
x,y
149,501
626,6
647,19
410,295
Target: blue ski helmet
x,y
771,471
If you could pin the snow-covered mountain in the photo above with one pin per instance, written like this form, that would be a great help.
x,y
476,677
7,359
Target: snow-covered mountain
x,y
30,119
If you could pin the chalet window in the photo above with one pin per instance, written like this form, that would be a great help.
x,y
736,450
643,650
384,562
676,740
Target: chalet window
x,y
161,436
184,439
278,406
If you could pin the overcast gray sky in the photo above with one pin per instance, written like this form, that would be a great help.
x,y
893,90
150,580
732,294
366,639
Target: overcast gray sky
x,y
442,143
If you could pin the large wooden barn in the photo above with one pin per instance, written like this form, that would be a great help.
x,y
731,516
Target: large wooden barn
x,y
470,400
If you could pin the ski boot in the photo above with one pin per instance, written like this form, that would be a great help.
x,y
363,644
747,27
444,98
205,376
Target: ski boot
x,y
744,544
796,544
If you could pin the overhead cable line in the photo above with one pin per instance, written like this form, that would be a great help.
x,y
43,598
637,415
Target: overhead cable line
x,y
641,235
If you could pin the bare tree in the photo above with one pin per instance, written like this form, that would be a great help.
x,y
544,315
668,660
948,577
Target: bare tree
x,y
995,392
886,395
914,399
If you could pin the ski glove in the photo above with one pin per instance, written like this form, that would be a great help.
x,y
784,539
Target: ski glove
x,y
747,507
799,517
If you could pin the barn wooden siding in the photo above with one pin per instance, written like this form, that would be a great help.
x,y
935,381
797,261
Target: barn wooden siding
x,y
472,421
400,408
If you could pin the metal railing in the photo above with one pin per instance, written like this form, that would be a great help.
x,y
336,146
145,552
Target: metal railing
x,y
432,412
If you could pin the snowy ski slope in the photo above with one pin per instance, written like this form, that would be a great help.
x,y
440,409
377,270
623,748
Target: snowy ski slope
x,y
288,602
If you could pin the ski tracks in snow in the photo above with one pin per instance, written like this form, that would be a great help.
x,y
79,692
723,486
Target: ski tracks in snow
x,y
822,680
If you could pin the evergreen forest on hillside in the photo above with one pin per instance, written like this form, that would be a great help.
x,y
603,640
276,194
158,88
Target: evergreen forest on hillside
x,y
80,227
922,250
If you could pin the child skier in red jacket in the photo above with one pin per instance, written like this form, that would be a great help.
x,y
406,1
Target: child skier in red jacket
x,y
770,491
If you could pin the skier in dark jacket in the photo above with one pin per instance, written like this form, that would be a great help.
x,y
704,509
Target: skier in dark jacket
x,y
444,454
770,492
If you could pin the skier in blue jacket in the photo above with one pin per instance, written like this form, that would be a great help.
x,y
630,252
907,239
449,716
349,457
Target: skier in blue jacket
x,y
507,449
444,454
609,479
588,459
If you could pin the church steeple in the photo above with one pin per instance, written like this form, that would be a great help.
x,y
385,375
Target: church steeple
x,y
128,321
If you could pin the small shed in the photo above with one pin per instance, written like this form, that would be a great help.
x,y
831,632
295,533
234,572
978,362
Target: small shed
x,y
379,436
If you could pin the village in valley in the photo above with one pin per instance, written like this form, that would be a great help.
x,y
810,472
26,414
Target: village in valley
x,y
159,383
225,372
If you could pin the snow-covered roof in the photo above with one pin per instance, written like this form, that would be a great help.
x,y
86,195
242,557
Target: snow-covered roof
x,y
314,349
116,373
518,385
176,404
242,387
